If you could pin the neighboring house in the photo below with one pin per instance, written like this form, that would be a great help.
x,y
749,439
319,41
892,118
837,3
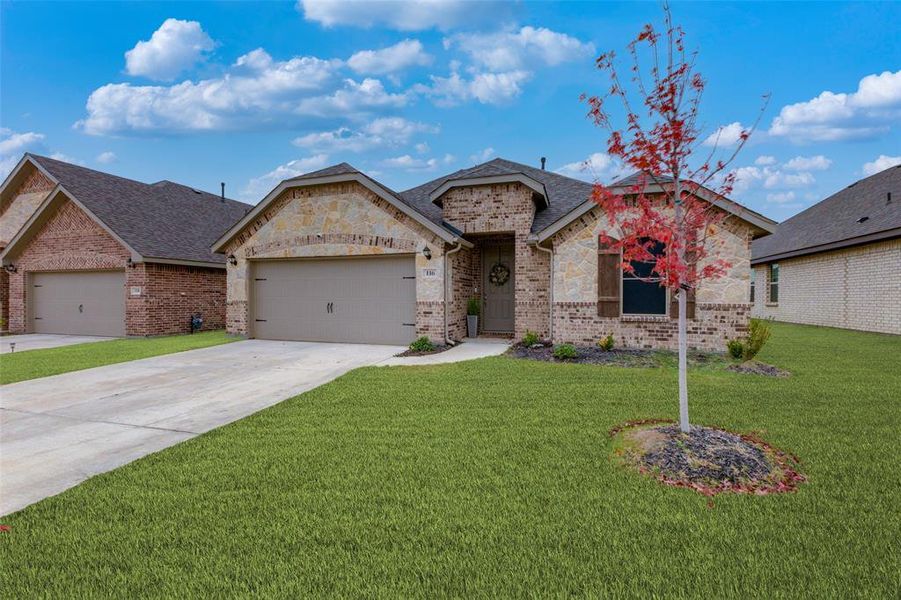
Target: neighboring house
x,y
86,252
838,263
336,256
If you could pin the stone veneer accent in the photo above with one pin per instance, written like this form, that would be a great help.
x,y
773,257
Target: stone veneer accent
x,y
851,288
722,309
497,209
339,219
71,241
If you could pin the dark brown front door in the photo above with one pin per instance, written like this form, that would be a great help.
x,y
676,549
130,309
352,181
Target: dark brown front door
x,y
497,294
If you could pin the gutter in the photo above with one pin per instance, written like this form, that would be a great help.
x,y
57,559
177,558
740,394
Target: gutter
x,y
447,339
550,311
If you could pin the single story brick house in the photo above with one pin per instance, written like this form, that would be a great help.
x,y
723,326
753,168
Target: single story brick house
x,y
838,263
89,253
334,255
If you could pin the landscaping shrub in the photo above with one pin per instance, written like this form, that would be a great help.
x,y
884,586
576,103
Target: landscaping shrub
x,y
606,343
565,352
530,338
736,348
758,333
422,344
473,307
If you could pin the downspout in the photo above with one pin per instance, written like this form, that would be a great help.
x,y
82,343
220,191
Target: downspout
x,y
447,339
550,308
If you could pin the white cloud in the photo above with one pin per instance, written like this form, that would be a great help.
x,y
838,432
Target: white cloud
x,y
866,113
487,88
448,159
808,163
422,147
405,15
770,178
780,197
385,131
13,145
526,48
408,53
597,167
258,187
256,92
174,47
482,155
409,163
764,160
106,158
881,164
727,135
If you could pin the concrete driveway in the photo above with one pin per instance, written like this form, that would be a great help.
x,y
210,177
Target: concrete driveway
x,y
37,341
55,432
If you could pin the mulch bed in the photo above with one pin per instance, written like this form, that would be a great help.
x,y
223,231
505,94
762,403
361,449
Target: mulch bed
x,y
438,349
620,357
706,459
758,368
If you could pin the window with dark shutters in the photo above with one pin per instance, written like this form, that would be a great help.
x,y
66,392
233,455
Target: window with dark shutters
x,y
642,292
609,279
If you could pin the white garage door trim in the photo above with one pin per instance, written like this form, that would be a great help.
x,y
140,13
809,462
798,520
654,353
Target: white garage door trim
x,y
76,302
368,300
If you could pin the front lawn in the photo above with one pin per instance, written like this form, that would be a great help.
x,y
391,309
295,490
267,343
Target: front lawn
x,y
495,478
30,364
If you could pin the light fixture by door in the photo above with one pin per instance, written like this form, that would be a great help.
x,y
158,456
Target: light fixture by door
x,y
427,252
232,260
10,268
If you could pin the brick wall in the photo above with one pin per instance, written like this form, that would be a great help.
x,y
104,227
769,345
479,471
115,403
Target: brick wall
x,y
852,288
465,273
505,208
71,241
170,294
4,300
68,241
579,323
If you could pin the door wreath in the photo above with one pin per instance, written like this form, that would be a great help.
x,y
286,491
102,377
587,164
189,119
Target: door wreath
x,y
499,274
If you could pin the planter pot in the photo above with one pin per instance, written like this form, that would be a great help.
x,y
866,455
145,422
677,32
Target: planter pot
x,y
472,325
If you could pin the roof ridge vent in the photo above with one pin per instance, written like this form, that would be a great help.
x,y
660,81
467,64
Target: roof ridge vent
x,y
863,219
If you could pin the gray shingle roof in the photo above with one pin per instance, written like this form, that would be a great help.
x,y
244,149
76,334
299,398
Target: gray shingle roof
x,y
163,220
564,193
835,221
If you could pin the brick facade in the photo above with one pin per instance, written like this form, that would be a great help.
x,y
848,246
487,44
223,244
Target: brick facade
x,y
505,208
851,288
167,294
579,323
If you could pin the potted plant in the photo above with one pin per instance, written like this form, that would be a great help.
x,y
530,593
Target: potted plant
x,y
473,307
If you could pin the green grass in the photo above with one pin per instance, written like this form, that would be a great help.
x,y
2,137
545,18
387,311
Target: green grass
x,y
494,478
30,364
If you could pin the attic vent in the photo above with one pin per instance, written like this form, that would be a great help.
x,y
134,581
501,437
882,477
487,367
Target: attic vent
x,y
196,191
863,219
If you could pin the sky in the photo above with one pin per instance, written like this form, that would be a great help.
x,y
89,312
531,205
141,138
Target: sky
x,y
253,93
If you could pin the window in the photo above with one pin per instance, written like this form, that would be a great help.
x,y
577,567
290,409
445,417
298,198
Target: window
x,y
753,272
773,284
643,297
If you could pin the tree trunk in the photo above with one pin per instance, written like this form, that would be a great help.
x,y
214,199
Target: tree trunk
x,y
683,297
683,363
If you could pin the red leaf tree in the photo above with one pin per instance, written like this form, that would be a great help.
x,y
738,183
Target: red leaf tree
x,y
673,200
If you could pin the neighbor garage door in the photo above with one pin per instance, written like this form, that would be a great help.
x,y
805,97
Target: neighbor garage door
x,y
84,303
364,300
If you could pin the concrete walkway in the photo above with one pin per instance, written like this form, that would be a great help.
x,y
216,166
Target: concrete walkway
x,y
37,341
55,432
469,350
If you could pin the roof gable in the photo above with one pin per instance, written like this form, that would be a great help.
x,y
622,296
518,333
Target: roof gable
x,y
164,220
859,213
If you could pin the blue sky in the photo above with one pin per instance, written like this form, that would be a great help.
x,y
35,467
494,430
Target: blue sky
x,y
250,93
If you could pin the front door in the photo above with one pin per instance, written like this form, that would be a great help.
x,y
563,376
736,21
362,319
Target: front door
x,y
498,288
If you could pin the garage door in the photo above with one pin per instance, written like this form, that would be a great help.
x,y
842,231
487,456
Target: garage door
x,y
363,300
88,303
